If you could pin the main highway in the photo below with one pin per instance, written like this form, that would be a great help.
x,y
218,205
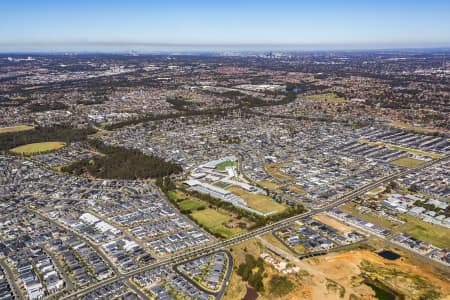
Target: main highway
x,y
211,248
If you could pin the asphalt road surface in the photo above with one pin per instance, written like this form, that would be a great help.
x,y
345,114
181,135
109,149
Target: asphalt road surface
x,y
211,248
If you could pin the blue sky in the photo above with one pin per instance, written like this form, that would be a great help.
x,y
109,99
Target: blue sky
x,y
66,24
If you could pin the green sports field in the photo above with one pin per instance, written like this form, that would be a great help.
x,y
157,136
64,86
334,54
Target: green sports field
x,y
408,162
223,165
214,221
190,205
36,148
17,128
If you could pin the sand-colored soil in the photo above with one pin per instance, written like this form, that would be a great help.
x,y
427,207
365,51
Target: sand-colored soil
x,y
341,227
338,276
344,268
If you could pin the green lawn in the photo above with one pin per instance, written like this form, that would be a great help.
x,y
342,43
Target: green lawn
x,y
36,148
214,221
223,165
408,162
329,97
259,202
437,235
15,128
185,202
190,205
174,196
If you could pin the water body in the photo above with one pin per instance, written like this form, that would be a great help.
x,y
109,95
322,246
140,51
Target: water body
x,y
389,255
251,294
381,293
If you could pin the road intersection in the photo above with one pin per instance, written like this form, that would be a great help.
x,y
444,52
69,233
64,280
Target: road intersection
x,y
221,245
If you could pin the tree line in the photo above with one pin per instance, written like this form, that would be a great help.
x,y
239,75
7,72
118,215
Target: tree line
x,y
41,107
57,133
167,185
121,163
252,271
246,102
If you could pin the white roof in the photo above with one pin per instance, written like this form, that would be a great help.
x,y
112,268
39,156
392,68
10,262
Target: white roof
x,y
89,218
417,209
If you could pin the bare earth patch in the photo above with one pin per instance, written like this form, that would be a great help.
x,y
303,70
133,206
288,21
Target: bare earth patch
x,y
342,228
344,269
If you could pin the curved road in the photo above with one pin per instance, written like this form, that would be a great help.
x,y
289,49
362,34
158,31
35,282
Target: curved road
x,y
219,294
208,249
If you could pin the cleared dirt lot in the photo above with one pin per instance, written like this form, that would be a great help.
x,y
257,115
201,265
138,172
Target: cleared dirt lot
x,y
411,279
342,228
339,276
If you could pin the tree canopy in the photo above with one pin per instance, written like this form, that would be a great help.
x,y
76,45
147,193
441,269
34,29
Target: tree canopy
x,y
122,163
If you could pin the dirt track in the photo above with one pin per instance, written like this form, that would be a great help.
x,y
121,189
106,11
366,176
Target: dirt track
x,y
343,269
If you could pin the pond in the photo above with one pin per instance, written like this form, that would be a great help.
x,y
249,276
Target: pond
x,y
389,254
380,293
251,294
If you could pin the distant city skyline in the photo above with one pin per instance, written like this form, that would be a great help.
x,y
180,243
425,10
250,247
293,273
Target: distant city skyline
x,y
82,25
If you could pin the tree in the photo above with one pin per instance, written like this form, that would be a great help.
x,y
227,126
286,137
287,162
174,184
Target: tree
x,y
413,188
124,163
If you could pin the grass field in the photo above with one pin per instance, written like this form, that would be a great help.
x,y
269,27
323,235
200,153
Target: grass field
x,y
381,221
175,196
296,189
15,128
329,97
237,287
300,249
274,171
185,202
223,165
408,162
415,151
36,148
214,221
404,149
259,202
376,190
190,205
437,235
269,184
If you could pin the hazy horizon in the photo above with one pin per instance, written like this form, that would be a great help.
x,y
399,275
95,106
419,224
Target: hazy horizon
x,y
169,48
53,26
